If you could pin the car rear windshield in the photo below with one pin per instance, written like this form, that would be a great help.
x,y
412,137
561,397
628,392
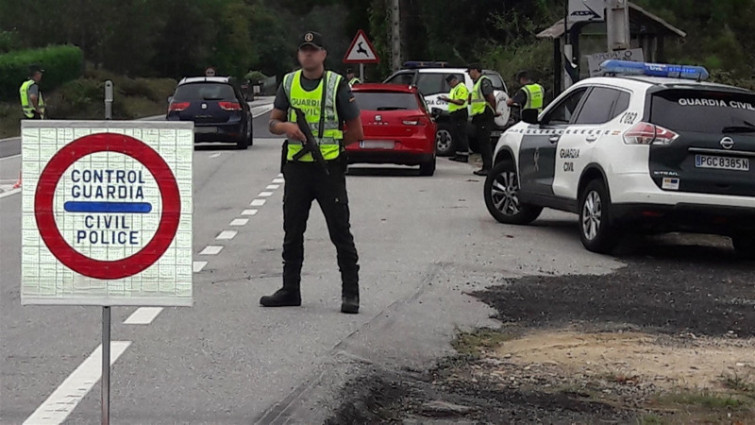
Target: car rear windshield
x,y
705,111
204,91
496,80
385,101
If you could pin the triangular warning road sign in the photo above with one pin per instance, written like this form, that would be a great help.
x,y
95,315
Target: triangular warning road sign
x,y
361,50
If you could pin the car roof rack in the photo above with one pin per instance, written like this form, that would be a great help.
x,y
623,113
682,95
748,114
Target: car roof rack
x,y
425,64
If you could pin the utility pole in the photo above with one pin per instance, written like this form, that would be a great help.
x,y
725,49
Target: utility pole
x,y
395,35
617,25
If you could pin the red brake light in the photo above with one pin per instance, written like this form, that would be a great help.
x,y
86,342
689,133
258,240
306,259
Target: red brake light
x,y
649,134
229,106
178,106
413,121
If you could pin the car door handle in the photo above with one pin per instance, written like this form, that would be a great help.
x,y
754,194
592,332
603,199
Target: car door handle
x,y
591,138
554,139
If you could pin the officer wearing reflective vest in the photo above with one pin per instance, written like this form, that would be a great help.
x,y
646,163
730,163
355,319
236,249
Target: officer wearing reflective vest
x,y
32,102
333,117
483,109
530,96
457,109
352,78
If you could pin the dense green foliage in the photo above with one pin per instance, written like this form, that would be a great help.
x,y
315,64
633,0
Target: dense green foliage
x,y
175,38
67,61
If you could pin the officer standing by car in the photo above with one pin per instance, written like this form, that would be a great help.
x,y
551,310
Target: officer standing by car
x,y
483,107
530,96
457,108
327,102
32,102
352,78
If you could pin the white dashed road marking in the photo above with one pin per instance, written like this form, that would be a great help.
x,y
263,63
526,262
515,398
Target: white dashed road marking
x,y
211,250
226,235
272,187
265,194
143,316
239,221
197,266
67,396
249,212
257,203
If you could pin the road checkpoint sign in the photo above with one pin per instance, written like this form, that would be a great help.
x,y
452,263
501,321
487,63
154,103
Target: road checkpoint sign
x,y
107,213
587,10
361,50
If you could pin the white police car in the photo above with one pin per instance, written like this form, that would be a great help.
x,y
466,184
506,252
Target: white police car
x,y
430,80
652,148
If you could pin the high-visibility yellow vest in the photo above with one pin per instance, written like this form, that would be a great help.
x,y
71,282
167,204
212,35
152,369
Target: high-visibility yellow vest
x,y
535,94
478,100
26,105
311,103
459,92
354,80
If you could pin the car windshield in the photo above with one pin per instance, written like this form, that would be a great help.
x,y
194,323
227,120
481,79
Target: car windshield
x,y
496,80
385,101
204,91
705,111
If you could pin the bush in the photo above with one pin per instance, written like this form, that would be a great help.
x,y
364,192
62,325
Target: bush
x,y
61,63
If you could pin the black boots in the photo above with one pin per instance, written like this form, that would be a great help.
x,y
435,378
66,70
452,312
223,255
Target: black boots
x,y
282,298
350,304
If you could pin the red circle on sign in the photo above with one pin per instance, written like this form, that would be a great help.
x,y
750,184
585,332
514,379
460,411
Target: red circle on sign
x,y
48,227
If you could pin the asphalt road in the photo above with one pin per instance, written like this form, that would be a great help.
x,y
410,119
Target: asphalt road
x,y
424,243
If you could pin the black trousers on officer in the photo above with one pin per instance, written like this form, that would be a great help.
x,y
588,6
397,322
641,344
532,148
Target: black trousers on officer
x,y
483,127
305,182
459,121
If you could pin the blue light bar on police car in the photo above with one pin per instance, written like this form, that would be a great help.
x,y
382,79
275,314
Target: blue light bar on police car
x,y
613,66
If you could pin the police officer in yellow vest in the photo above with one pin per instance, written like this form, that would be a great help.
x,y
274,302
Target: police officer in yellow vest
x,y
530,96
327,102
483,109
32,102
352,78
457,108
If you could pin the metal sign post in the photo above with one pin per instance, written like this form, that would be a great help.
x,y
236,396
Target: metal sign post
x,y
105,366
108,100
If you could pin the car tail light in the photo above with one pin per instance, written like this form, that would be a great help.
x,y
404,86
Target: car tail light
x,y
178,106
229,106
413,121
649,134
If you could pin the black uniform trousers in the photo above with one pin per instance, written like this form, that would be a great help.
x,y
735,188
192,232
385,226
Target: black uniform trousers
x,y
459,120
305,182
483,127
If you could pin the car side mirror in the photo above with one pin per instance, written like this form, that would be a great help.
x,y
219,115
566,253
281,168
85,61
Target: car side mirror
x,y
530,116
436,112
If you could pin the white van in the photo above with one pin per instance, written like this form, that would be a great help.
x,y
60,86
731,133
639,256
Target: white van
x,y
430,79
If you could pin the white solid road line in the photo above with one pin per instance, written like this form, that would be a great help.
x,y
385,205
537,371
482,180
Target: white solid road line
x,y
197,266
211,250
257,203
67,396
249,212
215,155
226,235
143,316
10,192
10,157
239,221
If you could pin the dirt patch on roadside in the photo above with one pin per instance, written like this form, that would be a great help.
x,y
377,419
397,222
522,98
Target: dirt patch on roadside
x,y
669,339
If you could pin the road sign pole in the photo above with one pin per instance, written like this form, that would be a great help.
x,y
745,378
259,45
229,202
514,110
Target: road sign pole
x,y
108,99
105,365
361,72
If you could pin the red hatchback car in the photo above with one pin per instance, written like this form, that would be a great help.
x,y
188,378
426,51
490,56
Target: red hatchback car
x,y
398,127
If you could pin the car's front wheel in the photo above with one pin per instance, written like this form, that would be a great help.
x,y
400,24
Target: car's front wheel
x,y
502,196
597,229
444,140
